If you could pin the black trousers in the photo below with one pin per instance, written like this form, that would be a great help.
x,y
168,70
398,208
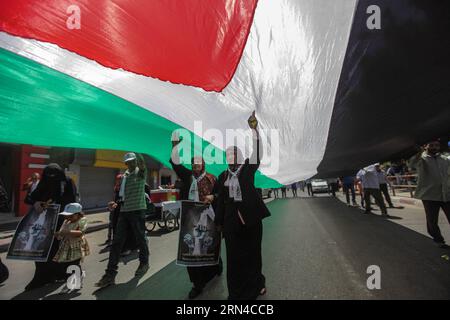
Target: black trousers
x,y
200,276
130,242
244,262
294,192
130,223
309,188
333,188
385,191
432,214
349,188
376,194
275,192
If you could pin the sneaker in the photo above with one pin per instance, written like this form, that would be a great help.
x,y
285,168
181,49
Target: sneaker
x,y
194,293
367,212
105,281
142,269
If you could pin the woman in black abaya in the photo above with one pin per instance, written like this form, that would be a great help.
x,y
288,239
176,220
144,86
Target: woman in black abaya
x,y
240,210
58,189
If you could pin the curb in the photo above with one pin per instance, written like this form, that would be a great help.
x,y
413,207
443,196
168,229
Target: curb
x,y
408,201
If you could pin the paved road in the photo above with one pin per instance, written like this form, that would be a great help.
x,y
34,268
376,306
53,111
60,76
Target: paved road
x,y
314,248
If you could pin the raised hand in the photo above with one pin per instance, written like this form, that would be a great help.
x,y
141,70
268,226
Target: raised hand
x,y
252,121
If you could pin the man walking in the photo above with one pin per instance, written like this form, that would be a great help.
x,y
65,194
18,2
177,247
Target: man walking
x,y
275,192
382,178
348,186
332,186
433,187
294,189
371,187
283,191
309,187
131,218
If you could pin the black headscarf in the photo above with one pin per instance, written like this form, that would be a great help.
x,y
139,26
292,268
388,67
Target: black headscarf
x,y
54,185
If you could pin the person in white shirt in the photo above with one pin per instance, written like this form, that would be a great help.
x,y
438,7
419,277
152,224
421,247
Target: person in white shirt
x,y
371,186
433,187
382,178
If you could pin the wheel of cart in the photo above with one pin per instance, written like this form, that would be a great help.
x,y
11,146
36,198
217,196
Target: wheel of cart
x,y
170,222
150,225
170,216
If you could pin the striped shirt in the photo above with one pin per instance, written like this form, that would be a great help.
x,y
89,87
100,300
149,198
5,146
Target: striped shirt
x,y
134,192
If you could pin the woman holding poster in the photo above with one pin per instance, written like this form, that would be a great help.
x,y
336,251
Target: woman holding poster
x,y
54,188
239,214
200,186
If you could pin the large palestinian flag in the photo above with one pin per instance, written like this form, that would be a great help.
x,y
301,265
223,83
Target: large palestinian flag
x,y
340,94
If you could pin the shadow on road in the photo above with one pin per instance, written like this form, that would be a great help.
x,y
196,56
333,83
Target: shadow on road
x,y
322,243
170,283
38,293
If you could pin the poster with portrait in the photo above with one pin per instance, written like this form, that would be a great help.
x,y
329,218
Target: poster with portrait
x,y
34,235
199,241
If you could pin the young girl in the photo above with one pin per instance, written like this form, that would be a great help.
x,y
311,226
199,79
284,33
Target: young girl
x,y
73,246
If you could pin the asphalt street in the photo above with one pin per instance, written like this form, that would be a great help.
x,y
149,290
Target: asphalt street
x,y
313,248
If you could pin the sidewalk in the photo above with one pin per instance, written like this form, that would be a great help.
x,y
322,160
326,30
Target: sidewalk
x,y
401,199
409,213
96,221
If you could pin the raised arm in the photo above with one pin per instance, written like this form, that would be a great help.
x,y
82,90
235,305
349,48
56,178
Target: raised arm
x,y
255,159
182,172
220,202
141,165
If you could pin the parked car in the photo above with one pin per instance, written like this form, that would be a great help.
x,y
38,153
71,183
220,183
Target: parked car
x,y
319,186
4,273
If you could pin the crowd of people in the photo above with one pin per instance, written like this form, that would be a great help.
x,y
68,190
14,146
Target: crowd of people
x,y
239,211
238,206
429,169
294,187
428,172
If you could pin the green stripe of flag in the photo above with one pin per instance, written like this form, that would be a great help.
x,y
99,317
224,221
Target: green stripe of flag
x,y
41,106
